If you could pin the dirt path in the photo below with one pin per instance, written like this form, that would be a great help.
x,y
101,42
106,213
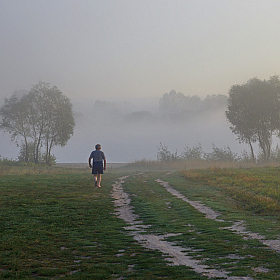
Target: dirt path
x,y
238,227
178,254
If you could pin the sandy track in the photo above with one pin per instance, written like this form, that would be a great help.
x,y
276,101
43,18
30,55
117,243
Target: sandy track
x,y
178,254
238,227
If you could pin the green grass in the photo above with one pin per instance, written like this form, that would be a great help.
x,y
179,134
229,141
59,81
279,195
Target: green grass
x,y
55,224
255,189
168,214
59,225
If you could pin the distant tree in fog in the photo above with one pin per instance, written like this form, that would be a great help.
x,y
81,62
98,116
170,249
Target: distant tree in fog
x,y
137,116
254,113
43,117
174,104
215,101
105,107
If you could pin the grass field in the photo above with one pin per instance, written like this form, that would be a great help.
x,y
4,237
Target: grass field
x,y
55,224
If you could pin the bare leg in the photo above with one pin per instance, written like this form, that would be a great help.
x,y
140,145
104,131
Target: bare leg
x,y
95,179
98,180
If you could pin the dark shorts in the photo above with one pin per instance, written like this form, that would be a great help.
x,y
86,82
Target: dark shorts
x,y
97,168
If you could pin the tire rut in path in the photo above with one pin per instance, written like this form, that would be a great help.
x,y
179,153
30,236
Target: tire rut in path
x,y
178,255
238,227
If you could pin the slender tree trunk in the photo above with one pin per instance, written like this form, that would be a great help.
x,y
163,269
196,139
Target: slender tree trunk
x,y
252,151
37,150
47,151
266,147
26,157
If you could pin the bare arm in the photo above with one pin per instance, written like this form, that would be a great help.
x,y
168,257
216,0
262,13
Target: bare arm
x,y
89,162
105,164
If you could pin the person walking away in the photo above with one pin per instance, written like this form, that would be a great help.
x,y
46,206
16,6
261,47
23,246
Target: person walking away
x,y
97,158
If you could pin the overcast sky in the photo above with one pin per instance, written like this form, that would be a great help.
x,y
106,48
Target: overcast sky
x,y
116,49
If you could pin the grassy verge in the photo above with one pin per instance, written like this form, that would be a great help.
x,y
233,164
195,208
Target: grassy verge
x,y
252,193
57,225
216,247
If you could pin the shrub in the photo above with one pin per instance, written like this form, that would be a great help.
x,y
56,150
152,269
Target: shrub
x,y
221,154
164,154
194,153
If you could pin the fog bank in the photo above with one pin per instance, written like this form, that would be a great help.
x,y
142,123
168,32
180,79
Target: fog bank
x,y
133,130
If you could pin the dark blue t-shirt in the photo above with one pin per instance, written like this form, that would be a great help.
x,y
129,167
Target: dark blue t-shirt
x,y
97,156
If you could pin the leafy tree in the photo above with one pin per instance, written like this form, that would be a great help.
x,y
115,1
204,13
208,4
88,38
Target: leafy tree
x,y
43,117
140,116
214,102
176,106
52,118
254,113
105,106
173,103
15,120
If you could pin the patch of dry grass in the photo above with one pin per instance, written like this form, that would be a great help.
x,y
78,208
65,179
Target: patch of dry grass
x,y
257,189
176,165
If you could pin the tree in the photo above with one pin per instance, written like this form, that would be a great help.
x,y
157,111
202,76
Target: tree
x,y
254,113
172,103
51,118
140,116
15,120
176,106
43,117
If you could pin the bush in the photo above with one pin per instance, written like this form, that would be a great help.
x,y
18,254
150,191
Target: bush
x,y
8,162
221,154
194,153
28,155
164,154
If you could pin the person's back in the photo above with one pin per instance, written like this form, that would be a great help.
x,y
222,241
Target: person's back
x,y
97,158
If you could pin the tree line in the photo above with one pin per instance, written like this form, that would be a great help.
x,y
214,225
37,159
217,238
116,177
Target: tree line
x,y
253,112
172,106
43,118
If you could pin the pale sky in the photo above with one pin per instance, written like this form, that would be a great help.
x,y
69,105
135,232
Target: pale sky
x,y
117,49
122,49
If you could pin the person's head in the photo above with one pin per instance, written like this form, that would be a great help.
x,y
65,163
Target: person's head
x,y
98,147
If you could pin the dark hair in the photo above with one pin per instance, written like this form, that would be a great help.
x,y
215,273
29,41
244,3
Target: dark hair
x,y
97,146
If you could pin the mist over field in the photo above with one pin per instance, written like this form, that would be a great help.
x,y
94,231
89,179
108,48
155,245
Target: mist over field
x,y
116,59
133,130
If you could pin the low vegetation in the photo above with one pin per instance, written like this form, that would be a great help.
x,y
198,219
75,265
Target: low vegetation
x,y
217,155
256,189
55,224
